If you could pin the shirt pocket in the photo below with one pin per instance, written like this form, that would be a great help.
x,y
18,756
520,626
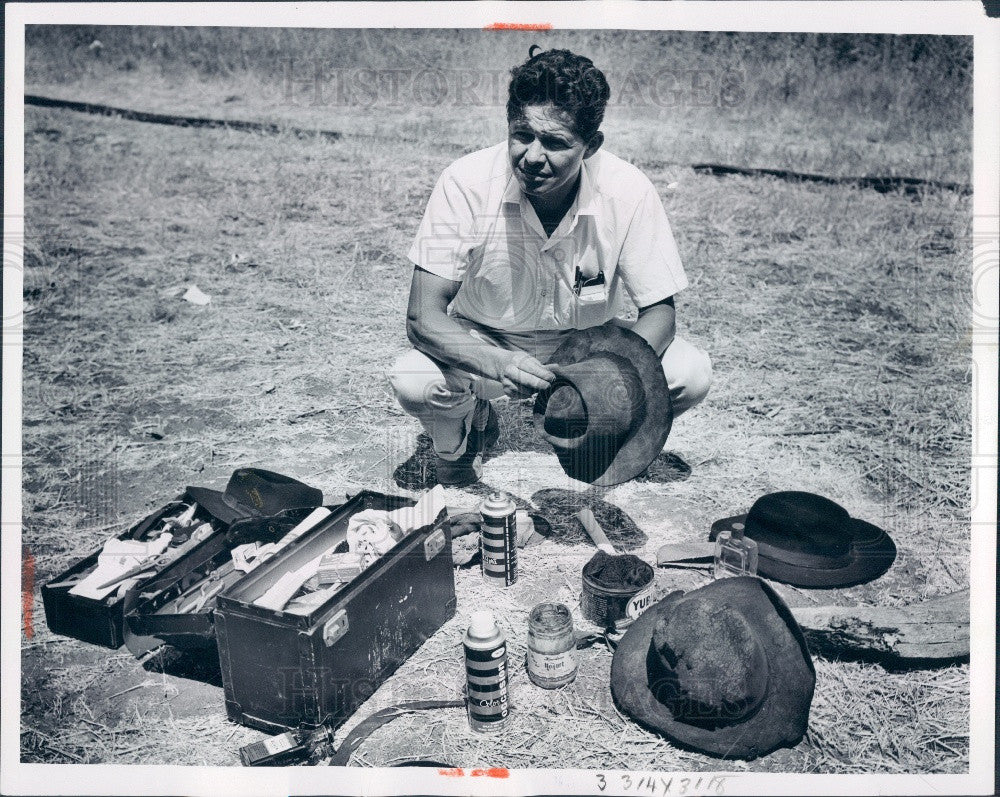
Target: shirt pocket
x,y
573,311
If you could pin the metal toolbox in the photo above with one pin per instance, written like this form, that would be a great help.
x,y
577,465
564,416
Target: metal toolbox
x,y
282,670
100,621
177,605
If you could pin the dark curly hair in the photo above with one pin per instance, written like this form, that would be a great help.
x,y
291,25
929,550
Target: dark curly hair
x,y
570,82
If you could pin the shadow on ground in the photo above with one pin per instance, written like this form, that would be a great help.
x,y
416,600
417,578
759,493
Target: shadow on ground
x,y
418,471
196,664
559,508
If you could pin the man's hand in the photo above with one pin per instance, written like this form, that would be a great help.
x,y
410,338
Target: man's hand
x,y
524,375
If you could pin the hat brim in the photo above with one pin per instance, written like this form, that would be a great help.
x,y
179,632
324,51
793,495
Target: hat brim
x,y
782,718
215,503
643,443
872,554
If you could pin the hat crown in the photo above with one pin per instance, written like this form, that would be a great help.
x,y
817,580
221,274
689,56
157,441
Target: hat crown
x,y
618,381
590,411
706,664
602,394
801,523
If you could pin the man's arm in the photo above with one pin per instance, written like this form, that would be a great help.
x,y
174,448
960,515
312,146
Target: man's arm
x,y
656,324
435,333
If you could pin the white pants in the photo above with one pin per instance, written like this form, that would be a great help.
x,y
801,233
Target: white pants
x,y
443,398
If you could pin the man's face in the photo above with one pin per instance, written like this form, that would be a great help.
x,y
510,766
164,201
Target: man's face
x,y
546,152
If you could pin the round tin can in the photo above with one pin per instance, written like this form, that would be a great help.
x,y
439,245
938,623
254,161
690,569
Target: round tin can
x,y
609,607
486,673
498,539
551,659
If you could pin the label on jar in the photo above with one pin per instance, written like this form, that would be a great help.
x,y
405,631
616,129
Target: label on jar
x,y
552,665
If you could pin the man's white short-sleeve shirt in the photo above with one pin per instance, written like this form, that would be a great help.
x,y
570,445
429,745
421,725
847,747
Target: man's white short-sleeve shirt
x,y
480,229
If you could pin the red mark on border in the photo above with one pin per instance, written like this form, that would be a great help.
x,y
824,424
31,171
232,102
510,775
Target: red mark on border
x,y
496,772
457,772
27,590
519,26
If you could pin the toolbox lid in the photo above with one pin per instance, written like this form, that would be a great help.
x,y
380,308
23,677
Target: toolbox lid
x,y
325,536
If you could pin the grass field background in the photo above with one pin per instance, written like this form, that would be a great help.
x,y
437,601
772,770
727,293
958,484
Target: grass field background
x,y
838,320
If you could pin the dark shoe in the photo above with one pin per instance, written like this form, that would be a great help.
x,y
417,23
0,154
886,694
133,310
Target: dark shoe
x,y
417,472
461,472
468,468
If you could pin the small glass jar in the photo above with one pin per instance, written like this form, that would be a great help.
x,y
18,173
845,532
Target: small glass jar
x,y
551,646
735,553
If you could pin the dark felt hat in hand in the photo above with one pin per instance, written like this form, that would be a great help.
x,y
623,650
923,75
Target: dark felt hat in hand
x,y
807,540
608,413
255,493
722,670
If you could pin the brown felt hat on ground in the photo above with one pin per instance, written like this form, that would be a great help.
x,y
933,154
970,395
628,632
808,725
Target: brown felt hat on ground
x,y
807,540
722,670
608,413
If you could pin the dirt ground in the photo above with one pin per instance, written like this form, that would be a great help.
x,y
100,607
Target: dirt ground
x,y
838,320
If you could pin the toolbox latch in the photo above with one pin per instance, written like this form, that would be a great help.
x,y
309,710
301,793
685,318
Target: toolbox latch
x,y
335,627
434,544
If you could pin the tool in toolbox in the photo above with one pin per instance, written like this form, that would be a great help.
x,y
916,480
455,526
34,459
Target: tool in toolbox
x,y
179,543
148,566
202,596
194,599
177,607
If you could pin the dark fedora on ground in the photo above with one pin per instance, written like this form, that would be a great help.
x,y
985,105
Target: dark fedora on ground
x,y
608,413
255,493
722,670
810,541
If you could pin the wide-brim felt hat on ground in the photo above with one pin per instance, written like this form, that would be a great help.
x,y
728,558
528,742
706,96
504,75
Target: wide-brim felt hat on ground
x,y
722,670
608,413
255,493
807,540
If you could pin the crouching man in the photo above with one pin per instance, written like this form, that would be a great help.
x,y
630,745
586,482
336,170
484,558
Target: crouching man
x,y
520,244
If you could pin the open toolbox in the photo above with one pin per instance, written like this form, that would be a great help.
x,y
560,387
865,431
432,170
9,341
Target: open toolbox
x,y
283,669
99,620
177,605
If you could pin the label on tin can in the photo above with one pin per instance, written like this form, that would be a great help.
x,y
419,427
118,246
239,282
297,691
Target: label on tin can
x,y
551,665
486,678
639,602
498,547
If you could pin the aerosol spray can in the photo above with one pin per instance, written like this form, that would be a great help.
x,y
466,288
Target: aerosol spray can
x,y
486,673
498,539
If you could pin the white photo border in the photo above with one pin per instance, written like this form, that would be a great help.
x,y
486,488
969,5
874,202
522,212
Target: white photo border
x,y
954,18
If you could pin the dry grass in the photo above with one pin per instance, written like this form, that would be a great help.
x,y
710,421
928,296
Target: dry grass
x,y
836,318
843,105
